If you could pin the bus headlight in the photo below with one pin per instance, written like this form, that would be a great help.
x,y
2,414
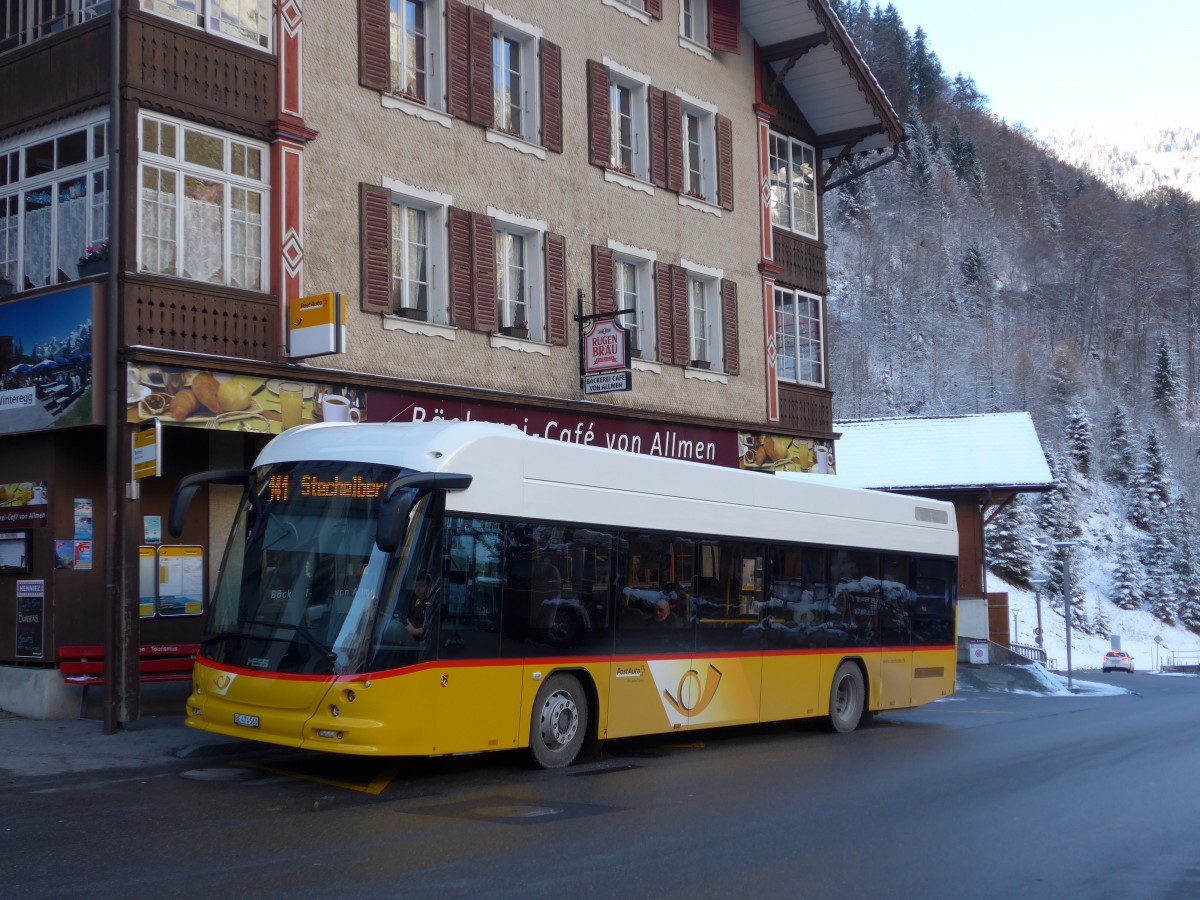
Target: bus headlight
x,y
334,711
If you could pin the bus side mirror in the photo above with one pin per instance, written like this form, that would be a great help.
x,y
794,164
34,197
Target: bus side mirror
x,y
181,500
395,502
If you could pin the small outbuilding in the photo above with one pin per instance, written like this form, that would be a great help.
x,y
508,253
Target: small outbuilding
x,y
980,463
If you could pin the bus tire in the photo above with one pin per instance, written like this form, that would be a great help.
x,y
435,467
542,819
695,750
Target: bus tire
x,y
847,698
559,723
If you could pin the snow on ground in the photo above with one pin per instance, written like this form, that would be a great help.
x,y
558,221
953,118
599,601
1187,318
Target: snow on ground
x,y
1135,628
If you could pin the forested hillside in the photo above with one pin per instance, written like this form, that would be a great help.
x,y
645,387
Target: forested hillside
x,y
980,273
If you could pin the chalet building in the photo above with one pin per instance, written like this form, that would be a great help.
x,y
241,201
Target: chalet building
x,y
219,220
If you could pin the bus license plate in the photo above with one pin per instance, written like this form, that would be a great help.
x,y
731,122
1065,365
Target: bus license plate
x,y
243,719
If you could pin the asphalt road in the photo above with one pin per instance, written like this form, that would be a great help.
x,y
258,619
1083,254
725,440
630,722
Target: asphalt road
x,y
982,795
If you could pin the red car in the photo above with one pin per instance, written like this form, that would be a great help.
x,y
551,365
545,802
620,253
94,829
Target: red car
x,y
1116,661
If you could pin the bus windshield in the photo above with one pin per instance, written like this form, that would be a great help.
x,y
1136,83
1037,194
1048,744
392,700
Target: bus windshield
x,y
303,583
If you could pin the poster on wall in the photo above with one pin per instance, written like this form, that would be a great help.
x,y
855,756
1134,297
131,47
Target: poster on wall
x,y
147,581
83,555
31,608
46,362
180,580
83,519
196,398
783,453
64,554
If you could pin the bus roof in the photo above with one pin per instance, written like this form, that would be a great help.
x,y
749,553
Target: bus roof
x,y
520,476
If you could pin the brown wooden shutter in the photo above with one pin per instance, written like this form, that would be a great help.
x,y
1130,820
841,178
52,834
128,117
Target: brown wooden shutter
x,y
662,312
654,9
658,136
679,316
552,97
724,162
375,207
373,44
602,279
462,280
482,101
674,117
724,25
729,325
483,269
556,288
599,123
458,60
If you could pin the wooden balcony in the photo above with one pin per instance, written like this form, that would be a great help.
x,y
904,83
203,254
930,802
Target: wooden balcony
x,y
200,318
803,263
54,77
808,410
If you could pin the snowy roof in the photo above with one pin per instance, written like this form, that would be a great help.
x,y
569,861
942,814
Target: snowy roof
x,y
996,451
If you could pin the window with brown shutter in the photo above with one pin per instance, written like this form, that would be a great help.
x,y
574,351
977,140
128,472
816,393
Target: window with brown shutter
x,y
462,299
663,312
654,9
551,56
483,270
480,65
375,235
458,60
675,162
602,279
373,43
556,288
658,136
724,162
679,317
724,25
729,325
599,133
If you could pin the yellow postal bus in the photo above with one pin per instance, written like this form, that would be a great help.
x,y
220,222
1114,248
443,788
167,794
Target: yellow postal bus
x,y
456,587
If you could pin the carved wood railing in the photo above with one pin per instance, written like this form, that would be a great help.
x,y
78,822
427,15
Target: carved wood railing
x,y
803,263
808,410
199,318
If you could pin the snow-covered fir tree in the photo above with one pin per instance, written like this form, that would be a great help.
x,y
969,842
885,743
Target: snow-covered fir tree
x,y
1161,581
1128,577
1152,488
1008,542
1079,437
1122,454
1166,389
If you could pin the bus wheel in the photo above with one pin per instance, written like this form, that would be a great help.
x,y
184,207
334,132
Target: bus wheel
x,y
846,698
559,723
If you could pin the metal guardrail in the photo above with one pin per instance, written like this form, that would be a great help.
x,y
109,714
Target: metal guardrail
x,y
1036,654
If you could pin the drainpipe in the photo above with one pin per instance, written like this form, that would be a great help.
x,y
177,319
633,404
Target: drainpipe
x,y
117,645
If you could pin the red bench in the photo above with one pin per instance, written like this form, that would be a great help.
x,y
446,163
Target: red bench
x,y
84,665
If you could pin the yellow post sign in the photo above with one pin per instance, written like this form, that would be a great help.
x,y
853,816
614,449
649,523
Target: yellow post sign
x,y
316,325
147,451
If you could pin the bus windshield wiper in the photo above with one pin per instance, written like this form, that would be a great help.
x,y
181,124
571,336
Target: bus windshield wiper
x,y
305,632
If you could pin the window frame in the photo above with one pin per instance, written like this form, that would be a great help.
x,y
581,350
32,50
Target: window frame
x,y
638,86
231,182
533,235
22,15
435,206
705,117
643,333
785,336
697,11
712,342
433,95
783,170
527,39
208,16
16,186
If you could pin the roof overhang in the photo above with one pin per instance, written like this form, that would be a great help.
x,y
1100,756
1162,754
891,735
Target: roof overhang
x,y
815,62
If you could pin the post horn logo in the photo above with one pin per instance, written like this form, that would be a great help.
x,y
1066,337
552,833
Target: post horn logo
x,y
690,686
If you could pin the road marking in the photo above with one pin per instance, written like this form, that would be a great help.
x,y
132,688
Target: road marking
x,y
94,784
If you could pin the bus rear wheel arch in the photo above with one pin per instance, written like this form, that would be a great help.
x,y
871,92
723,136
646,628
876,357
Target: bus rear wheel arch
x,y
559,723
847,698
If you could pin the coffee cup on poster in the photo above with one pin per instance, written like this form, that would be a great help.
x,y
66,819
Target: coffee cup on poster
x,y
338,409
